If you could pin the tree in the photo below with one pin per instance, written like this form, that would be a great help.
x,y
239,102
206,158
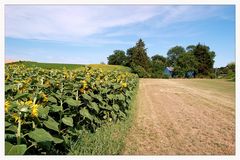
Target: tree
x,y
231,66
129,53
190,48
159,58
226,72
173,54
137,55
231,71
117,58
186,62
205,59
157,66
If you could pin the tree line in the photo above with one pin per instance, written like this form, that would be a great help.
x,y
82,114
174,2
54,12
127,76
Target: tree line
x,y
195,59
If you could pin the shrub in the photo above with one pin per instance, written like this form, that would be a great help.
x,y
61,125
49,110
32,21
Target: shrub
x,y
165,76
140,71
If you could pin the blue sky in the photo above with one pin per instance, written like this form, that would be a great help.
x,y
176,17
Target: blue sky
x,y
84,34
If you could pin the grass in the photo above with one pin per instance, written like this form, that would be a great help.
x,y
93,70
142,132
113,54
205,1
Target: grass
x,y
104,67
107,140
223,86
49,65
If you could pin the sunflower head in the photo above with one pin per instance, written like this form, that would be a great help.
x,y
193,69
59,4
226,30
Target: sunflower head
x,y
124,85
7,105
34,110
16,117
44,96
29,103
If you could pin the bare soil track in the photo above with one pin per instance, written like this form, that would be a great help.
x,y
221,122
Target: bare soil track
x,y
178,117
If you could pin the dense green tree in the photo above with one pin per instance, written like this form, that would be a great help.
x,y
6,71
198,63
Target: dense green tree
x,y
231,71
140,71
173,54
205,59
137,55
117,58
196,58
226,72
190,48
159,58
158,64
231,66
157,68
186,62
129,54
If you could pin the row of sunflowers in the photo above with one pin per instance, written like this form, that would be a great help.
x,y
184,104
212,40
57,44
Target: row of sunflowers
x,y
47,109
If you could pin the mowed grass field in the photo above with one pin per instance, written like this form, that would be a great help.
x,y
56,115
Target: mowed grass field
x,y
183,117
221,86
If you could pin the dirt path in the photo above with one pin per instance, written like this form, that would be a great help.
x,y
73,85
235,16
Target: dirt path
x,y
174,119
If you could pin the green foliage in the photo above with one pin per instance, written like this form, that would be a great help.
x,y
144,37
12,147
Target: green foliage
x,y
137,56
157,66
105,67
45,110
159,58
117,58
14,149
48,65
173,54
205,59
231,67
190,48
186,62
140,71
165,76
196,60
227,72
40,135
109,139
230,75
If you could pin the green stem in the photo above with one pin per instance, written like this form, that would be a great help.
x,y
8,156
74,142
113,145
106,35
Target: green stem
x,y
61,113
34,100
61,103
77,95
19,132
25,134
31,146
38,121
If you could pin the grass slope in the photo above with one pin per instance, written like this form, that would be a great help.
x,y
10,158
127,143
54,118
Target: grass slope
x,y
104,67
49,65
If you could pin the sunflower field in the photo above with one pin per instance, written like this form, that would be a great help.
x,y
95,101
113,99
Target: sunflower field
x,y
47,109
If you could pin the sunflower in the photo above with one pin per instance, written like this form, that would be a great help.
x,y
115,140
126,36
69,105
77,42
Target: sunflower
x,y
7,105
84,86
16,117
29,102
44,96
124,85
34,110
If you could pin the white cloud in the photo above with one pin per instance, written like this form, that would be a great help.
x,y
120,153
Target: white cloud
x,y
190,13
70,22
75,23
